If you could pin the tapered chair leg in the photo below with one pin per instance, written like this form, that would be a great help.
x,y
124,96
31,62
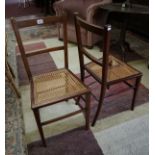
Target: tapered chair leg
x,y
102,94
137,83
37,117
87,111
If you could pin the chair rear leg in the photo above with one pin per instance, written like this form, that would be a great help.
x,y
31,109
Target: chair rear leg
x,y
137,83
37,117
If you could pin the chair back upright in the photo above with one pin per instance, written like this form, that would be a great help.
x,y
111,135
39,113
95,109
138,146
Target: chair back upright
x,y
104,32
43,21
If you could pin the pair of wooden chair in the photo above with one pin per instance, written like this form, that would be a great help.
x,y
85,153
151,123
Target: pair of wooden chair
x,y
61,84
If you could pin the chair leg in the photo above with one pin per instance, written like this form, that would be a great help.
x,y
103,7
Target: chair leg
x,y
77,100
37,117
11,70
12,84
137,83
102,94
87,111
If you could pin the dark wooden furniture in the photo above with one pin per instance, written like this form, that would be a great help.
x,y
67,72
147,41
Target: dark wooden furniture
x,y
126,13
46,5
108,70
53,87
139,24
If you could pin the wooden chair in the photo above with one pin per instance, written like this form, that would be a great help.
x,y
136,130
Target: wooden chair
x,y
56,86
108,70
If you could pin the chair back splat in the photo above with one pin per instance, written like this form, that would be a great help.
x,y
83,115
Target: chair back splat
x,y
55,86
107,69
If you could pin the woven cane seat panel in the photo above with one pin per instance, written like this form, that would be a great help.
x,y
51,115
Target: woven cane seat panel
x,y
117,70
54,86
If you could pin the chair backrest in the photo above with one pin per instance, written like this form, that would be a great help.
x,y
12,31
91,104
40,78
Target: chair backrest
x,y
104,32
42,21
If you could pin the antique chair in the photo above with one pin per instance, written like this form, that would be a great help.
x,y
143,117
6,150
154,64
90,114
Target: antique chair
x,y
88,10
56,86
108,70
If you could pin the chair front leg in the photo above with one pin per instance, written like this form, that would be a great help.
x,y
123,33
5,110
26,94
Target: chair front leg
x,y
102,94
37,117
